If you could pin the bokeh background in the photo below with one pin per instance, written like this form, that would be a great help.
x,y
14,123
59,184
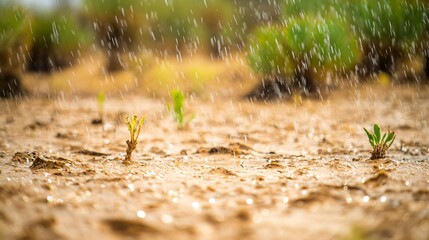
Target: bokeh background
x,y
259,49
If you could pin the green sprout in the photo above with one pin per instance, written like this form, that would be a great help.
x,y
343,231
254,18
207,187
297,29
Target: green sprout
x,y
101,98
179,109
379,143
134,127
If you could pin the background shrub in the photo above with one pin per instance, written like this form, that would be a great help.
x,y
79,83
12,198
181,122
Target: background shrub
x,y
389,29
58,40
118,26
182,27
267,54
304,51
303,8
14,45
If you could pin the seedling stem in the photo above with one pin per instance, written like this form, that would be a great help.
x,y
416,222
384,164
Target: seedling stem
x,y
134,127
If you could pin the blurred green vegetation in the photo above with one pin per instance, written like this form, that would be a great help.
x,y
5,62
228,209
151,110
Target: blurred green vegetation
x,y
303,8
289,41
187,26
389,29
267,53
15,41
58,40
118,26
337,36
424,45
304,51
218,30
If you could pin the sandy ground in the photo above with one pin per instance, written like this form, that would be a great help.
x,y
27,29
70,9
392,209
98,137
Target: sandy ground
x,y
241,170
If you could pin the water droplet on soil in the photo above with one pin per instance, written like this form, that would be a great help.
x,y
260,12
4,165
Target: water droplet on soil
x,y
285,200
167,218
196,205
349,199
141,214
212,200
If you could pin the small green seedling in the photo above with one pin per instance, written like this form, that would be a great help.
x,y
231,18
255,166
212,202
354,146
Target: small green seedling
x,y
379,143
134,127
101,98
178,109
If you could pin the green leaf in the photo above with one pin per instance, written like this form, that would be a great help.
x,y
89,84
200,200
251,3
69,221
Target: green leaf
x,y
393,139
368,134
390,136
382,139
370,137
134,126
139,127
377,134
179,108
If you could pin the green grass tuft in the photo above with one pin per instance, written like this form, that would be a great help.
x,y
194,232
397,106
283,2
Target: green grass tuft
x,y
380,143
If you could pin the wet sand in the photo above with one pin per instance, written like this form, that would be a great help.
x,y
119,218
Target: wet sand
x,y
241,170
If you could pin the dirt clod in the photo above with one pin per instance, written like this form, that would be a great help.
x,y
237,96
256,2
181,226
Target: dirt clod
x,y
130,228
91,153
379,179
274,165
156,150
24,157
222,171
42,162
41,229
220,150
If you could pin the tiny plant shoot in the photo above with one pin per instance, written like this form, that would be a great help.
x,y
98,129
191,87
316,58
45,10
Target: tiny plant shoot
x,y
179,109
134,127
379,143
101,98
